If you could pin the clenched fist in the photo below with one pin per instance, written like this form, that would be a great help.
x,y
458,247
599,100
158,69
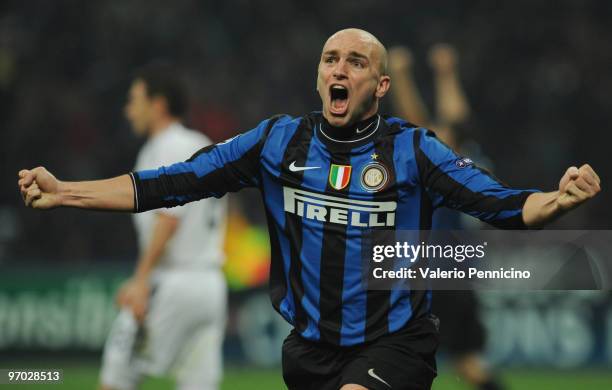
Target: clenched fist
x,y
39,188
400,59
576,186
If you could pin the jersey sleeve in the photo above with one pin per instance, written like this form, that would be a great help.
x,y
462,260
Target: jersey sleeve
x,y
212,171
178,148
456,182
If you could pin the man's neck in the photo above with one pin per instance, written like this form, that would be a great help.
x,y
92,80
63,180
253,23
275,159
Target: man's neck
x,y
350,132
161,125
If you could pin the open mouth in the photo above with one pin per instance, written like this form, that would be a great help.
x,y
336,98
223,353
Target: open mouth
x,y
339,99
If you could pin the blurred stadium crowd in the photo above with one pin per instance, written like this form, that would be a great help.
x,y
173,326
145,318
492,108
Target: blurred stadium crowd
x,y
537,74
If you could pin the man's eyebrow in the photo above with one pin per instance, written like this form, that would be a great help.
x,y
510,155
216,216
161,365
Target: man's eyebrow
x,y
353,54
358,55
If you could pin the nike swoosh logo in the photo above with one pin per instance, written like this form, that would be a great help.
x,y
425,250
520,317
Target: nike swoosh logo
x,y
358,131
293,168
373,375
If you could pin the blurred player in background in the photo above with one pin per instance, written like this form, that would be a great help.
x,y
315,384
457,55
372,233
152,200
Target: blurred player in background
x,y
173,309
462,333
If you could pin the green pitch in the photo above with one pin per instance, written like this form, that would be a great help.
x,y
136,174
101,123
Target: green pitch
x,y
83,377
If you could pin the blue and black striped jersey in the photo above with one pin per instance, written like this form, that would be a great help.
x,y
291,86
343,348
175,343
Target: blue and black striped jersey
x,y
323,197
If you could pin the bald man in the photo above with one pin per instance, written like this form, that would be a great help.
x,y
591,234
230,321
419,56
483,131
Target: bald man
x,y
329,180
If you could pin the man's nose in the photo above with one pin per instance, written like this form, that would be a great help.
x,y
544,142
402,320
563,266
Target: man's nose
x,y
340,70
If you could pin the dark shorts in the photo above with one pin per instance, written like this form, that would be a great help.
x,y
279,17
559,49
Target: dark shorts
x,y
461,330
404,360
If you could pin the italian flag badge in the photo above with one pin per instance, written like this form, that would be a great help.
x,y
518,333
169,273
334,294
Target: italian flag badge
x,y
339,176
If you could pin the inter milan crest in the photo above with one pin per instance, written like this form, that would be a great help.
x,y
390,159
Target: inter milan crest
x,y
339,176
374,176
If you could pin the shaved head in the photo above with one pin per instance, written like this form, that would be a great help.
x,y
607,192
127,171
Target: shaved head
x,y
379,50
352,76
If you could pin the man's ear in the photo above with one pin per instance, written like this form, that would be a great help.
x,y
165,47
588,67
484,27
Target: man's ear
x,y
384,83
160,104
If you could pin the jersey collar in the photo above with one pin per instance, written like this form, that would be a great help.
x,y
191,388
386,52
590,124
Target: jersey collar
x,y
348,138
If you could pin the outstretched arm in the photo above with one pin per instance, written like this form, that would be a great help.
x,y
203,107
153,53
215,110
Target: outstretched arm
x,y
41,190
212,171
456,182
575,187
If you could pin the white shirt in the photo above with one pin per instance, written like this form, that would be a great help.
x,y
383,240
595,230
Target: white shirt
x,y
197,243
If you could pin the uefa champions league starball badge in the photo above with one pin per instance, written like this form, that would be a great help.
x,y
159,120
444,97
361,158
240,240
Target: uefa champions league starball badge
x,y
374,176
